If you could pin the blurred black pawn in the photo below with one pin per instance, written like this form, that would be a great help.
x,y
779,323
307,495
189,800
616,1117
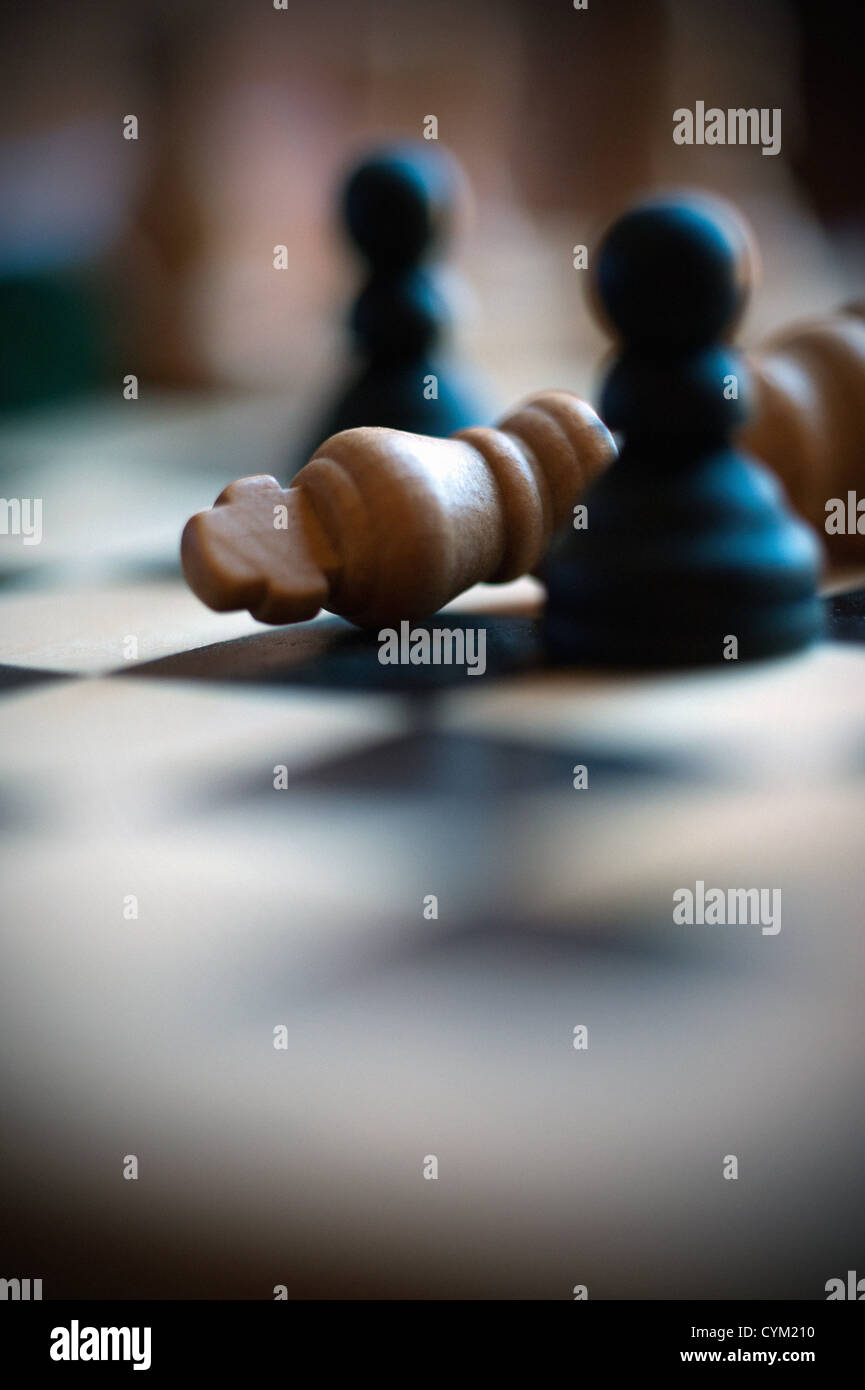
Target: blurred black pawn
x,y
690,554
399,206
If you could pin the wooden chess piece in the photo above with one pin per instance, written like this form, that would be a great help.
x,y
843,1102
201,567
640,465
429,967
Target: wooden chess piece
x,y
383,525
808,422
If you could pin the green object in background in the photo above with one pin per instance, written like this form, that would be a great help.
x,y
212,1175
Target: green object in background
x,y
54,338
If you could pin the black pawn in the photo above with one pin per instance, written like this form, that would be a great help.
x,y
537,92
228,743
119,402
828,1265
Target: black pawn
x,y
398,207
689,541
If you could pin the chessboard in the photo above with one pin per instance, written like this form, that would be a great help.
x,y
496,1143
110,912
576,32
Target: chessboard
x,y
285,924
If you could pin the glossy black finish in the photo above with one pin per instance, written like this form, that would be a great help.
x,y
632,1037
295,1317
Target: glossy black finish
x,y
689,541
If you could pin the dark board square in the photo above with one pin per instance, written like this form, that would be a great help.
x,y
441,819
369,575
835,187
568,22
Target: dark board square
x,y
467,767
334,655
845,617
13,678
433,763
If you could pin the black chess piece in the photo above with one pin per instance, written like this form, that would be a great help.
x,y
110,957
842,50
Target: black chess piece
x,y
689,541
398,206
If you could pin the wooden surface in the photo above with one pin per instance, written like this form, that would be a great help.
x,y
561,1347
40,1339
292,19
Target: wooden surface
x,y
382,525
809,422
406,1036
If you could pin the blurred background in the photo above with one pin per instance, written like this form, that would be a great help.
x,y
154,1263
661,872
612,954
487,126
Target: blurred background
x,y
154,255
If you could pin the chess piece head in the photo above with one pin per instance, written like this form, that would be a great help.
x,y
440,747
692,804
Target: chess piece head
x,y
689,542
673,279
399,204
399,207
675,274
